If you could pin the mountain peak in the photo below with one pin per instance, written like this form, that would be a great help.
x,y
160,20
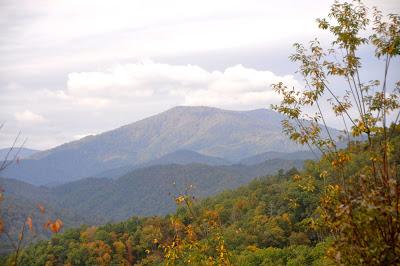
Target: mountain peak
x,y
206,110
194,109
225,134
216,109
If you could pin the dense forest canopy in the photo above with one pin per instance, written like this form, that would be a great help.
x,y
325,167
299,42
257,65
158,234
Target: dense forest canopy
x,y
265,221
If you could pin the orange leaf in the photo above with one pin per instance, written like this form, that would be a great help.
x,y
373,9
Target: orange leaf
x,y
29,223
56,226
59,222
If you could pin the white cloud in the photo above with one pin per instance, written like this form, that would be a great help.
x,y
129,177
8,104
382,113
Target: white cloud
x,y
236,86
70,33
29,117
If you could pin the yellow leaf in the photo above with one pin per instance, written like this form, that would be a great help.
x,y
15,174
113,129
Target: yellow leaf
x,y
180,199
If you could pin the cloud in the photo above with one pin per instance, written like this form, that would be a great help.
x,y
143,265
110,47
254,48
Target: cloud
x,y
69,35
29,117
80,136
236,86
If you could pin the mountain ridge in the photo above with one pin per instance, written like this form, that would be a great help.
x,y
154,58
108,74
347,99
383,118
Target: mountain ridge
x,y
210,131
179,157
144,191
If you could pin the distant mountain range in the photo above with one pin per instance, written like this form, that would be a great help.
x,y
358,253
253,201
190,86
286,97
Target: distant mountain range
x,y
184,157
187,157
21,153
145,191
181,157
195,134
262,157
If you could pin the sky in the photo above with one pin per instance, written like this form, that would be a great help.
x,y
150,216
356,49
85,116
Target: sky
x,y
71,68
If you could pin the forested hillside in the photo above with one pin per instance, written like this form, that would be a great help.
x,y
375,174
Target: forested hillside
x,y
21,200
144,191
274,220
263,223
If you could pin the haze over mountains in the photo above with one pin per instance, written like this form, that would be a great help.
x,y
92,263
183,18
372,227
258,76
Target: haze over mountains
x,y
228,135
145,191
21,153
180,157
270,155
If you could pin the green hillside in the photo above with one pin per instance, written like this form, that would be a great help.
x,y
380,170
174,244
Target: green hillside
x,y
145,191
258,222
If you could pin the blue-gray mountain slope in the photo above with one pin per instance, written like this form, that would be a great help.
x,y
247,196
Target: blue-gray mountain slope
x,y
231,135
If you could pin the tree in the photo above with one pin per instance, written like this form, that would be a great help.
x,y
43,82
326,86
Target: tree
x,y
360,206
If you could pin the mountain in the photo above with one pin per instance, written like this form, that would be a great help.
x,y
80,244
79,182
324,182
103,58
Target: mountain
x,y
177,157
191,157
144,191
22,153
262,157
187,157
231,135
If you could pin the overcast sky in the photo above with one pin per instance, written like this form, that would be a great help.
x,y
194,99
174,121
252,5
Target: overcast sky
x,y
70,68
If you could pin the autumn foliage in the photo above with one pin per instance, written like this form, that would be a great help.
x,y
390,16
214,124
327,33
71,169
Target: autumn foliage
x,y
360,204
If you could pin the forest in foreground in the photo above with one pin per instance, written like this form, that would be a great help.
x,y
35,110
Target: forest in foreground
x,y
274,220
